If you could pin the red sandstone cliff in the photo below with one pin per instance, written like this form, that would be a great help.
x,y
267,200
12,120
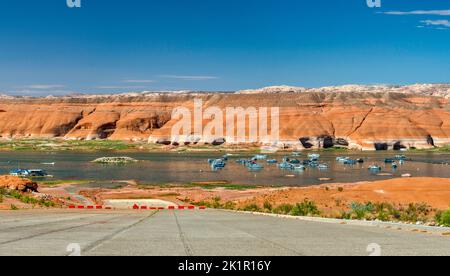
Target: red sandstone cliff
x,y
309,119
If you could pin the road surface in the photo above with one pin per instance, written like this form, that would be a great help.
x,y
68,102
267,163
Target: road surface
x,y
199,233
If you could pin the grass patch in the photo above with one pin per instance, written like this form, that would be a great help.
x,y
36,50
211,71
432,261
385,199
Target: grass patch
x,y
27,199
435,149
68,145
220,184
61,182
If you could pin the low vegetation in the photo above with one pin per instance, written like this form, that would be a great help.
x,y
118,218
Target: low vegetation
x,y
25,198
443,218
69,145
61,182
224,185
411,213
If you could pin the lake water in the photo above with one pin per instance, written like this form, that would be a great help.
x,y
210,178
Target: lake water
x,y
159,168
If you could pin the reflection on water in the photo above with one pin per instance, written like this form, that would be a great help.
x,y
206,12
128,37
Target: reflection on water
x,y
157,168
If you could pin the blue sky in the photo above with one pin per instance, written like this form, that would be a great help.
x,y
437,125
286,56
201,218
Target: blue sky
x,y
111,46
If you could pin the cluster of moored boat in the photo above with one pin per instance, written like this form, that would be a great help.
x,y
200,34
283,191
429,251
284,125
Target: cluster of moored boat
x,y
293,164
27,173
395,162
298,165
252,163
287,163
218,164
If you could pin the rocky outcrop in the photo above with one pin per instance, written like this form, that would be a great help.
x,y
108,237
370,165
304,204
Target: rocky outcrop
x,y
362,120
17,184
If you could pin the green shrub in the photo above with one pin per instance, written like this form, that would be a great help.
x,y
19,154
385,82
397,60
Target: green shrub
x,y
229,205
360,210
306,208
216,203
383,216
251,208
443,218
283,209
268,206
346,215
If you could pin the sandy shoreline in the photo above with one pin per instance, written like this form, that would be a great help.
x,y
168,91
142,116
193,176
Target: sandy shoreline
x,y
329,198
433,191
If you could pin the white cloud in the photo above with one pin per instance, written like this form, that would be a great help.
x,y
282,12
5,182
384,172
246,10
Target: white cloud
x,y
420,12
138,81
120,87
44,86
439,23
189,78
39,92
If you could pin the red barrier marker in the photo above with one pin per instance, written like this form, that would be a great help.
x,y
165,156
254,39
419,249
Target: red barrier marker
x,y
202,207
80,207
171,207
191,207
135,207
160,208
108,208
71,207
143,207
181,207
99,207
90,207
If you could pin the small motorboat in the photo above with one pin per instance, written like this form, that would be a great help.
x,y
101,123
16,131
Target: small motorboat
x,y
218,164
272,161
242,161
389,161
342,159
401,157
314,157
286,166
323,167
299,168
286,159
255,167
350,162
374,168
295,161
260,157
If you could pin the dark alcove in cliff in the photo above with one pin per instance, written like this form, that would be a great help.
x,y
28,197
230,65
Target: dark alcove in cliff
x,y
328,142
305,142
106,130
381,146
398,146
430,140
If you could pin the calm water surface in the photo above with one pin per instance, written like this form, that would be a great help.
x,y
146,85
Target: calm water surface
x,y
157,168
